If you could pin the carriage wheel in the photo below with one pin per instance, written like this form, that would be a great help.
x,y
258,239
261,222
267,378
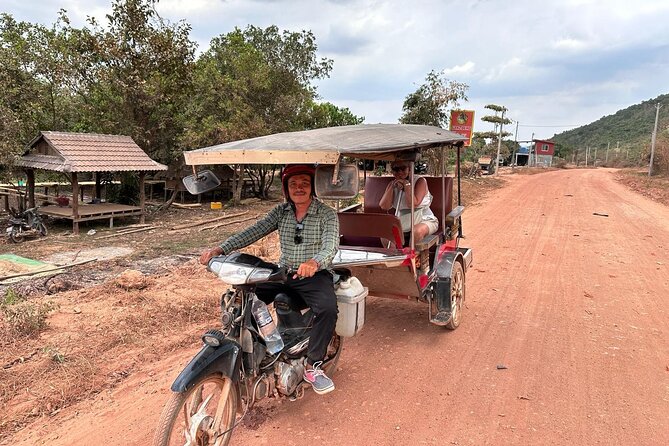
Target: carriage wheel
x,y
457,295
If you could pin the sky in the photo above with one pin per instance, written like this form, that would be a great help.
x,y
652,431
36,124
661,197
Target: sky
x,y
554,64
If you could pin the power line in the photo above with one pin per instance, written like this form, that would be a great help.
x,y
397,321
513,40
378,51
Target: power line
x,y
530,125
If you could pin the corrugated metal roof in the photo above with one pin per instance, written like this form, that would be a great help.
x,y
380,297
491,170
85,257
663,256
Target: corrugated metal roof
x,y
374,141
88,152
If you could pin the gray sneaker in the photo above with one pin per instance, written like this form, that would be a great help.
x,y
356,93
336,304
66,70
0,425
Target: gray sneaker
x,y
318,379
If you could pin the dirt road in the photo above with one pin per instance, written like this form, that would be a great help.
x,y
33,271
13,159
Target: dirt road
x,y
573,305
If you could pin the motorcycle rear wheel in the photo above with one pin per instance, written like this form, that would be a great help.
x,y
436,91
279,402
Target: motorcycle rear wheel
x,y
16,236
333,353
204,415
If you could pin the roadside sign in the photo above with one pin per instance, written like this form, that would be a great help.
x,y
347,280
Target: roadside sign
x,y
462,122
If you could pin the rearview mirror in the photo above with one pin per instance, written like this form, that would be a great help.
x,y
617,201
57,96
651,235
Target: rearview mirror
x,y
335,182
201,182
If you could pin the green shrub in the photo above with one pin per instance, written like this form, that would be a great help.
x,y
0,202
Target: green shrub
x,y
11,297
55,355
27,318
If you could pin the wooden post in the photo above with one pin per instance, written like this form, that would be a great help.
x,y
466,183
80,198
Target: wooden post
x,y
98,186
30,184
75,204
142,198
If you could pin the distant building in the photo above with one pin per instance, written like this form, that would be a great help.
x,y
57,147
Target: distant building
x,y
539,154
543,151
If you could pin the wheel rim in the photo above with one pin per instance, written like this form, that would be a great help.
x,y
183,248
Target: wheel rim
x,y
457,293
332,354
16,236
206,414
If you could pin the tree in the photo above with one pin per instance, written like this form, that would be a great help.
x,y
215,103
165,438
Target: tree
x,y
130,77
429,104
21,113
326,114
499,120
138,77
255,82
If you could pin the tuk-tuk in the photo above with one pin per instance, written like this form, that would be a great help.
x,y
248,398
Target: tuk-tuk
x,y
373,247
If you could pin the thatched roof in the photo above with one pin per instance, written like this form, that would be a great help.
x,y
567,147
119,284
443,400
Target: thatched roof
x,y
86,152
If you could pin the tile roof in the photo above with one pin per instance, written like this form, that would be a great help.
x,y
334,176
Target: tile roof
x,y
89,152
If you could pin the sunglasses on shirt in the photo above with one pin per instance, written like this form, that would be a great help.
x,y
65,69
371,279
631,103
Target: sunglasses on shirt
x,y
399,168
298,233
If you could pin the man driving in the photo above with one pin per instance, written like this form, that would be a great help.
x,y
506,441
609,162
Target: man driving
x,y
309,238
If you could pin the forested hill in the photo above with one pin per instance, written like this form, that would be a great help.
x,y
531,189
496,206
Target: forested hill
x,y
630,127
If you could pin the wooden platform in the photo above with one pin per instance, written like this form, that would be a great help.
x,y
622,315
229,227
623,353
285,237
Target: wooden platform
x,y
92,211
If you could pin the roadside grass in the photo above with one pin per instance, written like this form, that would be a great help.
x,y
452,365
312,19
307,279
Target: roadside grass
x,y
475,189
656,187
23,318
95,345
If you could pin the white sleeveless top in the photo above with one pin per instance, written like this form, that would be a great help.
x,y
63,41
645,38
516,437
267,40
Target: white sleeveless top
x,y
422,211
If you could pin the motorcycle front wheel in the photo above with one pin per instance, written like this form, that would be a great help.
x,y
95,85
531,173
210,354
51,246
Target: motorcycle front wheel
x,y
16,236
204,415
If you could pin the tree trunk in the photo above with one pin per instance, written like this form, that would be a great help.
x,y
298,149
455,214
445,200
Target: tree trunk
x,y
268,183
168,203
237,184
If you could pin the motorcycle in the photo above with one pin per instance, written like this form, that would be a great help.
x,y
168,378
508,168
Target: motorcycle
x,y
234,368
26,223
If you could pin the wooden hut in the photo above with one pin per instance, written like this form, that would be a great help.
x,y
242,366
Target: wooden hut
x,y
77,153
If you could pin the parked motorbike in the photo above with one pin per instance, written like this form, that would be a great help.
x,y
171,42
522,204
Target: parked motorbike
x,y
235,369
26,223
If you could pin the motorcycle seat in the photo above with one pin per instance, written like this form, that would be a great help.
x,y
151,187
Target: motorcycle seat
x,y
291,302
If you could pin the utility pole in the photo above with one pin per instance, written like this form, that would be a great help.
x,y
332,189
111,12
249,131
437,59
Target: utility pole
x,y
652,143
608,145
529,155
499,143
594,163
587,149
515,144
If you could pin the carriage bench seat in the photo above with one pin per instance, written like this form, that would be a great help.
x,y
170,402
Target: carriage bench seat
x,y
442,196
369,229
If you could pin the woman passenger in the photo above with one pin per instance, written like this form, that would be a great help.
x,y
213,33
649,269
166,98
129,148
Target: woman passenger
x,y
400,189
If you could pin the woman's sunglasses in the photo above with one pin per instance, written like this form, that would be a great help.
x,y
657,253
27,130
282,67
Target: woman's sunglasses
x,y
298,233
399,168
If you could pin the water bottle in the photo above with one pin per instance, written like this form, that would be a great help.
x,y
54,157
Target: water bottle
x,y
267,327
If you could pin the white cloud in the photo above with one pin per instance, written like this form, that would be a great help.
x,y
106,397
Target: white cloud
x,y
570,44
375,112
459,70
549,62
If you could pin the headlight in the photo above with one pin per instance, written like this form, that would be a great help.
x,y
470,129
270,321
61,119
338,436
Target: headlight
x,y
259,275
231,273
236,274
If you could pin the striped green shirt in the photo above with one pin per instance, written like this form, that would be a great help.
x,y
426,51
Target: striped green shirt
x,y
318,236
